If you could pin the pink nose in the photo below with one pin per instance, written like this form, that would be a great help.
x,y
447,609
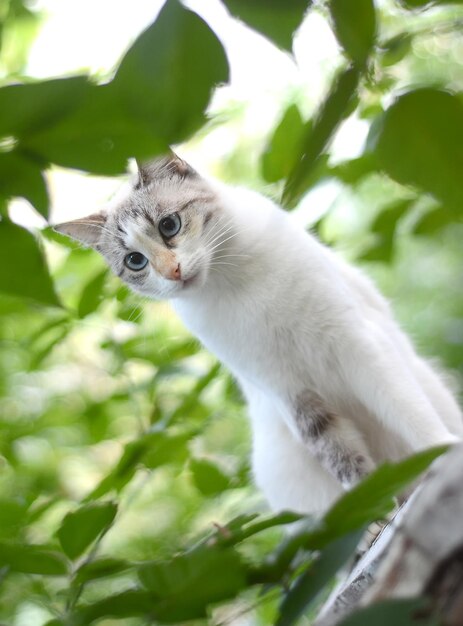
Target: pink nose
x,y
174,273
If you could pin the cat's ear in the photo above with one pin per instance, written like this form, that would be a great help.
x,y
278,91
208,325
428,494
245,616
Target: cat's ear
x,y
163,167
87,230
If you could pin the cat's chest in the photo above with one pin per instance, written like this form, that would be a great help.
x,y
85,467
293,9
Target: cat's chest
x,y
241,334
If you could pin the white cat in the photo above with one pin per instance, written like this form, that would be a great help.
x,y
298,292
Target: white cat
x,y
333,385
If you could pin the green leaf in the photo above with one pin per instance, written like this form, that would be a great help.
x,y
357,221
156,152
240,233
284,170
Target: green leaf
x,y
19,176
275,19
208,477
188,583
13,515
352,171
81,527
91,296
100,568
158,96
310,583
317,134
168,74
384,227
166,448
279,153
32,559
153,450
355,27
403,612
130,603
420,4
420,142
434,220
394,50
99,136
253,526
28,276
372,499
29,108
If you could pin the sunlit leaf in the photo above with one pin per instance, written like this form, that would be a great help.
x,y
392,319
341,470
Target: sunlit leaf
x,y
278,156
419,4
81,527
23,271
420,142
318,133
385,227
394,50
354,26
352,171
273,18
91,295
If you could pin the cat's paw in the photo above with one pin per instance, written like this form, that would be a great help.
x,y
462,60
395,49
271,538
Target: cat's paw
x,y
353,468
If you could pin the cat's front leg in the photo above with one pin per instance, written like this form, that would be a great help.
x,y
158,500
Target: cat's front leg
x,y
334,440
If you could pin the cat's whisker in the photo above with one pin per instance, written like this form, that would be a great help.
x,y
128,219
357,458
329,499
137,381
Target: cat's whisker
x,y
224,241
223,263
224,256
234,234
218,233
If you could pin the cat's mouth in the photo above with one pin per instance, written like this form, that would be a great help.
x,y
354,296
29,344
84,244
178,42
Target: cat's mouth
x,y
192,280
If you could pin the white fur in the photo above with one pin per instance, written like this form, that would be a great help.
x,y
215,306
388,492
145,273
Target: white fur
x,y
292,315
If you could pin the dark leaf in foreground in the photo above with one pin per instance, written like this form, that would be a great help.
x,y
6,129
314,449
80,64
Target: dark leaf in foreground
x,y
354,27
275,19
19,176
26,109
167,76
320,572
420,142
23,271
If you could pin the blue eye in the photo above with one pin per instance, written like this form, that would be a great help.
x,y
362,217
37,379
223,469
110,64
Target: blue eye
x,y
135,261
170,225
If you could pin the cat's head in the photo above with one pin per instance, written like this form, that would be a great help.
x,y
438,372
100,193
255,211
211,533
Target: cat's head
x,y
162,238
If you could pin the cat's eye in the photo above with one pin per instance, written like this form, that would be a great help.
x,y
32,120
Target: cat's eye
x,y
135,261
169,226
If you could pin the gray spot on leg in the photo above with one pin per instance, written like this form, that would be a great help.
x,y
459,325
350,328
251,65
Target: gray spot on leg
x,y
322,432
313,419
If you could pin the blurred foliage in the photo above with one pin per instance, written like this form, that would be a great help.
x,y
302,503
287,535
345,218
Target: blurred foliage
x,y
123,445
